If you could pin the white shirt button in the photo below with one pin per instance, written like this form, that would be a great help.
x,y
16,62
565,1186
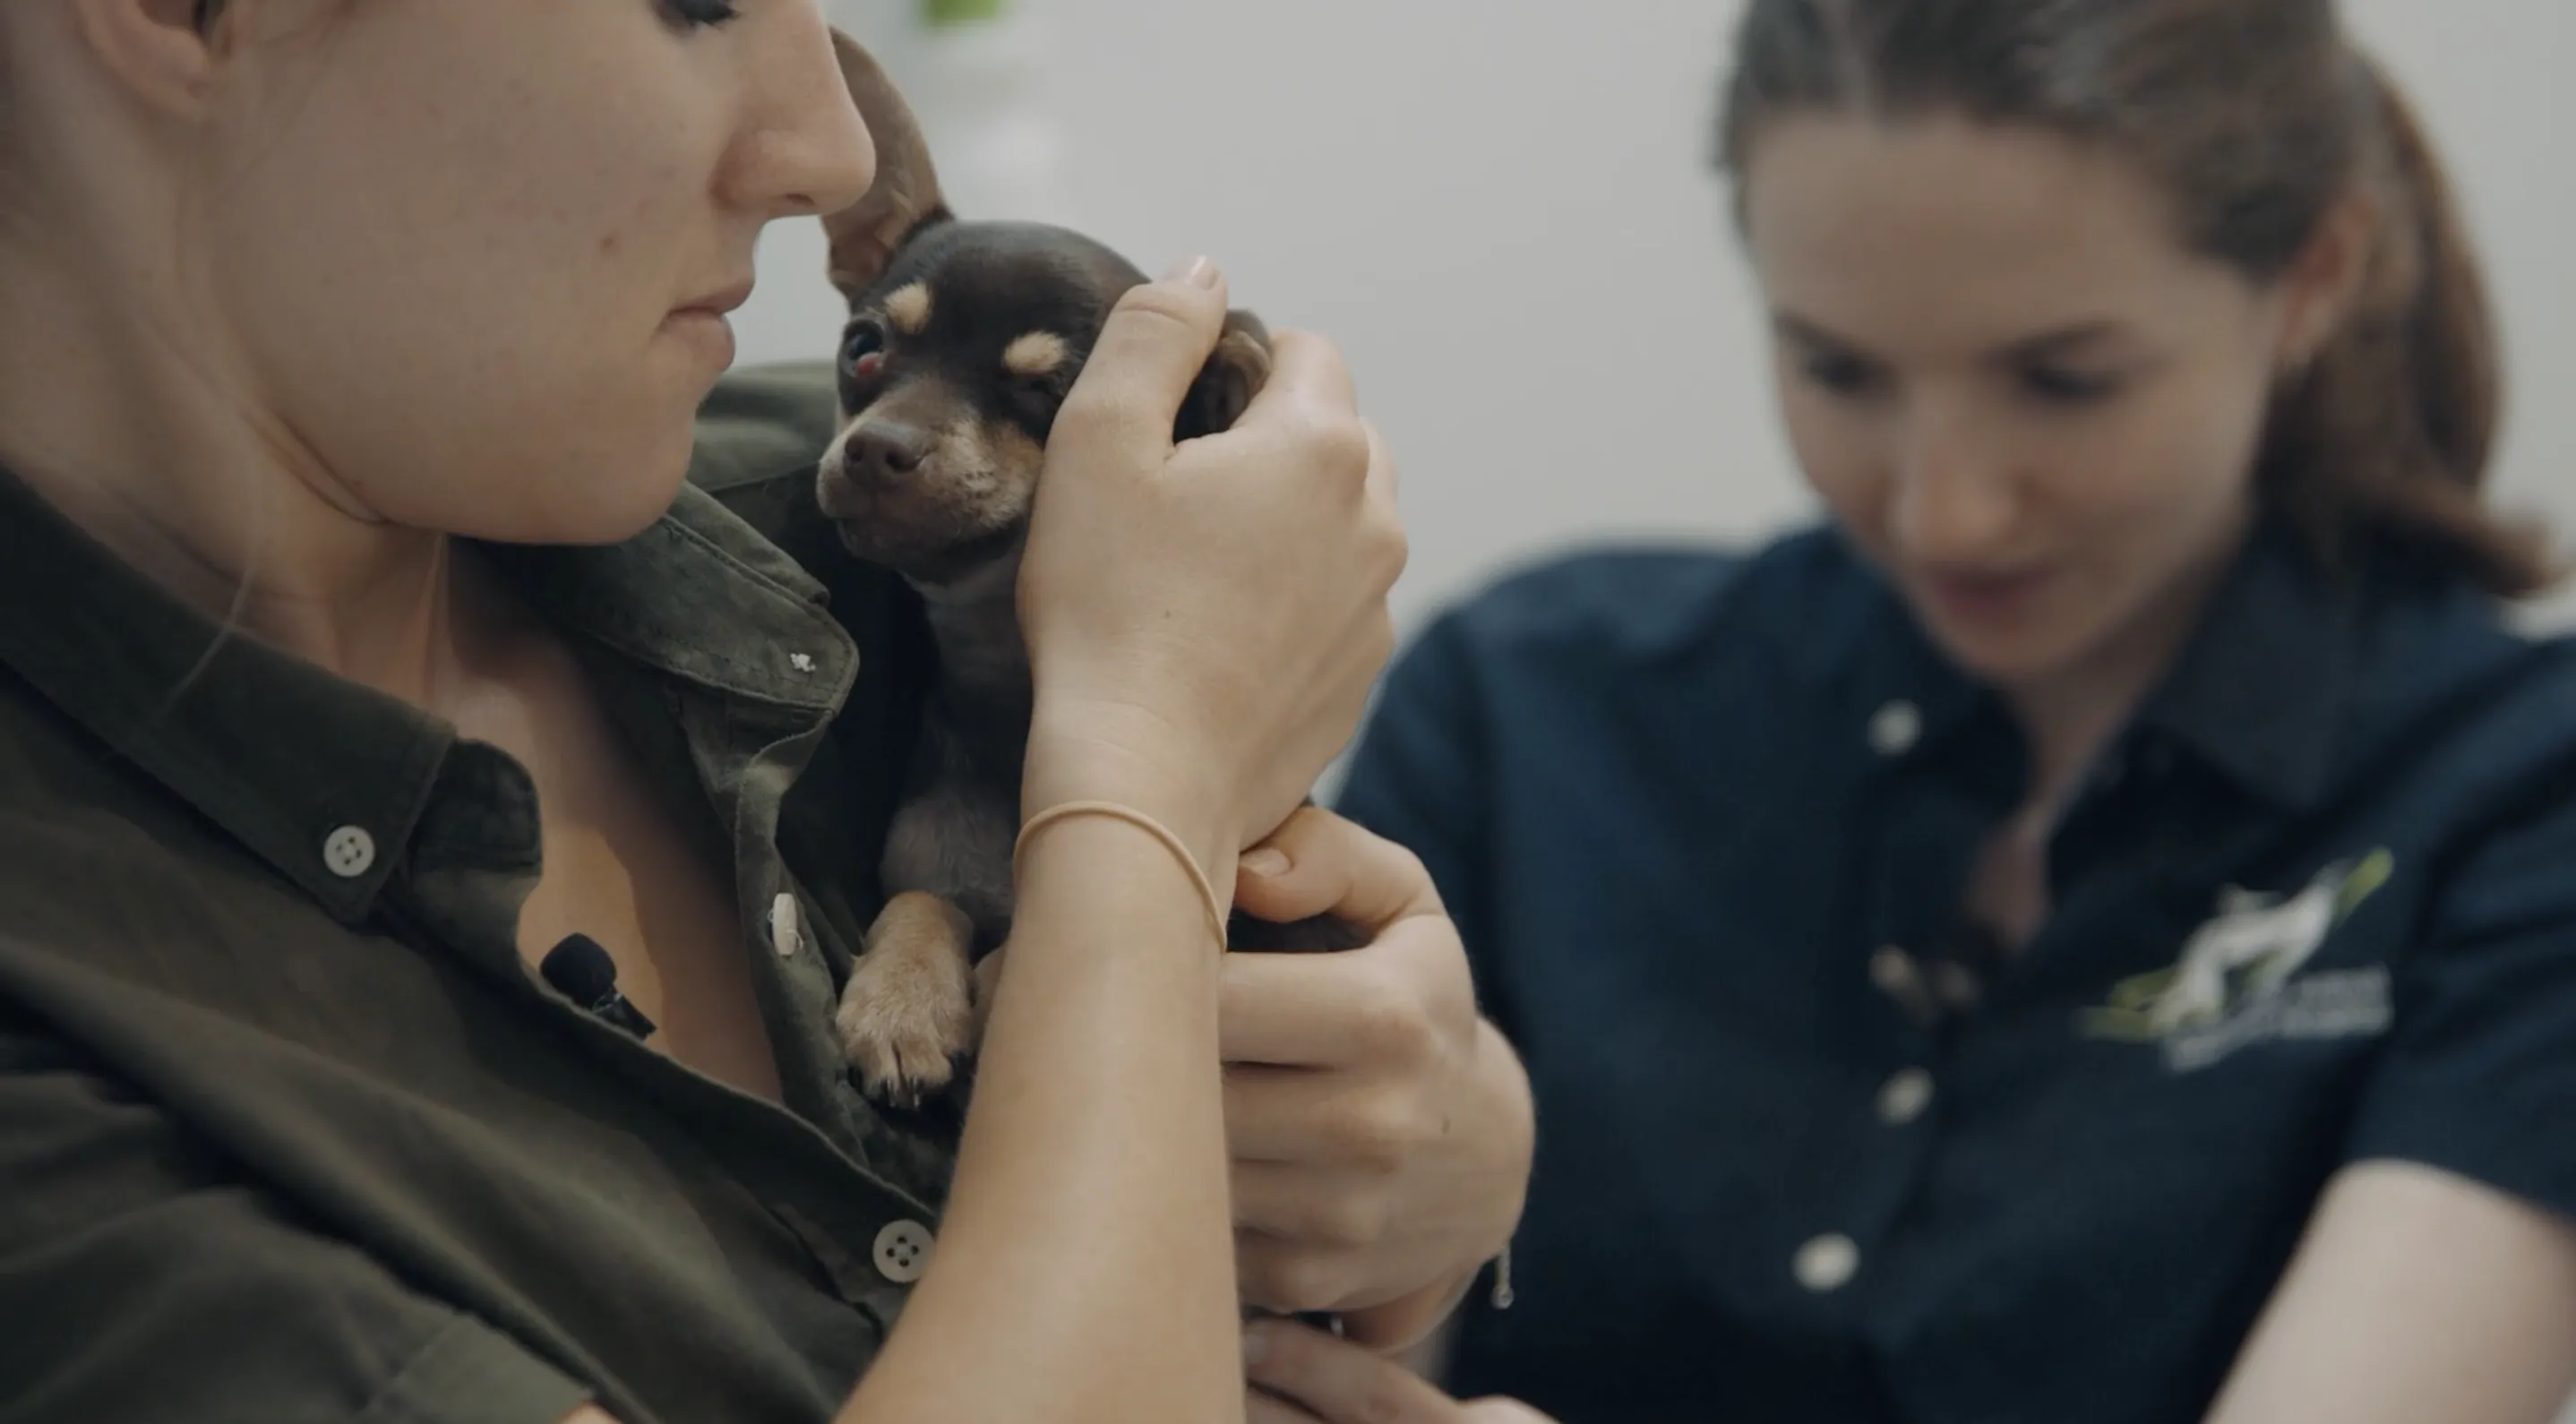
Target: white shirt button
x,y
1901,979
1892,969
784,935
1827,1263
1904,1097
349,852
1896,728
903,1252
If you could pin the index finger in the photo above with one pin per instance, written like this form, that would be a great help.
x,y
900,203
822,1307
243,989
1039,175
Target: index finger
x,y
1157,339
1339,1382
1331,1011
1305,370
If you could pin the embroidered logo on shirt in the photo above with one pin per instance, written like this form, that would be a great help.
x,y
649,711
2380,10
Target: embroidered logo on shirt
x,y
2238,980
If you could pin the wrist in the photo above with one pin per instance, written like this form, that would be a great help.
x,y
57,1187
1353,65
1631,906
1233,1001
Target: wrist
x,y
1129,757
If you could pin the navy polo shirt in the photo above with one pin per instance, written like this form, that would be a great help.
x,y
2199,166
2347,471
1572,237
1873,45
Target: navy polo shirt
x,y
1808,1150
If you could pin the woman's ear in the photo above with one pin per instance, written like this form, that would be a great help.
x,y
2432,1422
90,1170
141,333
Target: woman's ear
x,y
154,48
2330,277
906,195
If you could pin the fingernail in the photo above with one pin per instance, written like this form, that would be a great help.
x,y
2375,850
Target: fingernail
x,y
1256,1343
1268,862
1198,272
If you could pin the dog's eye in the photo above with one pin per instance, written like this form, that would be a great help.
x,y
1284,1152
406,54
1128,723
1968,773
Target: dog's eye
x,y
863,351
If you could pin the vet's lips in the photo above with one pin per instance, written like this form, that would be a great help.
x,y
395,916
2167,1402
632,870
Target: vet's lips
x,y
1985,596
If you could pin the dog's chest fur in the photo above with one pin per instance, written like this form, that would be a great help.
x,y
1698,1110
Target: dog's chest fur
x,y
953,836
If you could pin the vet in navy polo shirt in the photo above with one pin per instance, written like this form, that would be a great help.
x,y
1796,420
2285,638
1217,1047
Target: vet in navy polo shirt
x,y
1805,1152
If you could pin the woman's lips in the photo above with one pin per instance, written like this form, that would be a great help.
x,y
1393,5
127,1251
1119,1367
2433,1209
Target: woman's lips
x,y
1985,597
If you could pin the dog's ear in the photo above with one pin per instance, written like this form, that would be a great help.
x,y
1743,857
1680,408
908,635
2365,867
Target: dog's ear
x,y
1234,374
906,194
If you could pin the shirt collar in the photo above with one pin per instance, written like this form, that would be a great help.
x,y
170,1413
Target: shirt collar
x,y
2261,689
2257,693
325,779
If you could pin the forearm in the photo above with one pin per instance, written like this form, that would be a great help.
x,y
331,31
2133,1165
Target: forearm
x,y
2416,1296
1084,1268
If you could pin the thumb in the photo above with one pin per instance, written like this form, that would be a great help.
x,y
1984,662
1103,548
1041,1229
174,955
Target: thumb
x,y
1156,341
1319,862
1498,1410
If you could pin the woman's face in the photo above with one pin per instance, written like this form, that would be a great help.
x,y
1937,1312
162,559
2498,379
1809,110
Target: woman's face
x,y
469,256
2019,395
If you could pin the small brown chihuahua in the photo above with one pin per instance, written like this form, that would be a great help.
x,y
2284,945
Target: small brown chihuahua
x,y
962,342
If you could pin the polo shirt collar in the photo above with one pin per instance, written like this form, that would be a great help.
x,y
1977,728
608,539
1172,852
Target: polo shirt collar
x,y
325,779
2257,693
2261,688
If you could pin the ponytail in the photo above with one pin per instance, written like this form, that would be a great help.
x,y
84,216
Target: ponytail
x,y
2386,435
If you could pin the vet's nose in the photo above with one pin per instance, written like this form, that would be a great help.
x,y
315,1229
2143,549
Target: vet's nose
x,y
886,449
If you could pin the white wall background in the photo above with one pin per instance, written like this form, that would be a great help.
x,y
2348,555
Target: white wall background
x,y
1502,210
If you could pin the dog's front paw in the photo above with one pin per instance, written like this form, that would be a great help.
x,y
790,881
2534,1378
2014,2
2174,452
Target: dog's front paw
x,y
908,1013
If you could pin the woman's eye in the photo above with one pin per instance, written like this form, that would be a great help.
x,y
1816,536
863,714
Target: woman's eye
x,y
701,14
2057,385
1843,375
863,352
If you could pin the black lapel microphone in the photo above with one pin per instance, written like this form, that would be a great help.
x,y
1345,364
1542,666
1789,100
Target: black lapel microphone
x,y
582,972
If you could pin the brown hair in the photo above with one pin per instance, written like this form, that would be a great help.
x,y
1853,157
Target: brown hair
x,y
2258,116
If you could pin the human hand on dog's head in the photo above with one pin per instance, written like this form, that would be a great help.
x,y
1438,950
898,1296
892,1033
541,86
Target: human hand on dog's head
x,y
1203,616
962,342
1216,609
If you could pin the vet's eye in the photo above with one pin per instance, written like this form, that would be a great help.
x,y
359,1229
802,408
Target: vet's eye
x,y
700,14
2060,385
863,351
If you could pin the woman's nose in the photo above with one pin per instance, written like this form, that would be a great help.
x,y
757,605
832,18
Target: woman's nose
x,y
804,149
1957,499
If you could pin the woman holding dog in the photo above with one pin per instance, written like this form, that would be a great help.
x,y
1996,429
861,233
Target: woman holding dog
x,y
361,644
2089,935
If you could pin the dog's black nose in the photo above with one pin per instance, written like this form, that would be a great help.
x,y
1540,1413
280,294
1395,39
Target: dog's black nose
x,y
888,449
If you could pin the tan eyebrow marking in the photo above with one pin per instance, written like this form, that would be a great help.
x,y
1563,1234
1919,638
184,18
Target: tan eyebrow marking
x,y
907,308
1040,353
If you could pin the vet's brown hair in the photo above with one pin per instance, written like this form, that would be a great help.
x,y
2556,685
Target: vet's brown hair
x,y
2258,117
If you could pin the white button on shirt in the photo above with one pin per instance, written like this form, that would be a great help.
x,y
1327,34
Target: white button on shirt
x,y
1904,1097
1896,728
785,935
349,852
1827,1263
903,1251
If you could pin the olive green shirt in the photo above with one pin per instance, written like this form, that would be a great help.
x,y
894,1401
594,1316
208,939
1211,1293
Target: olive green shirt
x,y
288,1129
